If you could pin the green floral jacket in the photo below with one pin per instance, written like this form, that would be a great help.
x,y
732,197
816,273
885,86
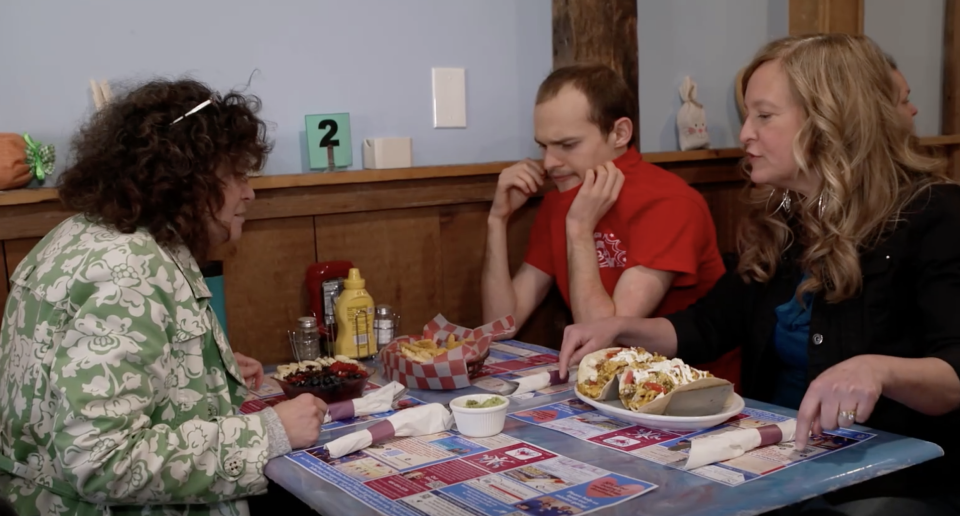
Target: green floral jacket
x,y
119,393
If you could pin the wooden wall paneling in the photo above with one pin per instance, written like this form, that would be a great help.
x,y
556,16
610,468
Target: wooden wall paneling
x,y
602,31
811,16
323,200
398,252
16,250
31,220
727,210
3,280
462,239
462,230
721,184
263,285
950,124
804,17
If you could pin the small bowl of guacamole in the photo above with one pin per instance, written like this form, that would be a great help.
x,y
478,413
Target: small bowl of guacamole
x,y
480,415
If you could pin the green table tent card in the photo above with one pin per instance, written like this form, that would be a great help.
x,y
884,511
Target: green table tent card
x,y
328,141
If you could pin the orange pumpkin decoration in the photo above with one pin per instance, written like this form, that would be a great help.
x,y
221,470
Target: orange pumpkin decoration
x,y
14,170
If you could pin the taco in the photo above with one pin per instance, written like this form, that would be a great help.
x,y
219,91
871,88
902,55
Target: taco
x,y
643,383
599,372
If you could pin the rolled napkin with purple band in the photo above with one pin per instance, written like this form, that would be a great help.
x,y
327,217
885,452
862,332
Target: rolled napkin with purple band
x,y
373,402
535,382
732,444
411,422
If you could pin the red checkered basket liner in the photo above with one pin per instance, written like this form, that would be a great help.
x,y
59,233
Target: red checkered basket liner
x,y
448,371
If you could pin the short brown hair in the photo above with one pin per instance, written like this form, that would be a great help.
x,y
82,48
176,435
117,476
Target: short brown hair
x,y
134,168
607,92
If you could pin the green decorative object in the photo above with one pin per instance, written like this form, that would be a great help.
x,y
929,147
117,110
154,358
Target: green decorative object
x,y
328,141
40,157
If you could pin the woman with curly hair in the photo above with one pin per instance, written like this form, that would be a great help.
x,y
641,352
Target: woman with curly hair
x,y
845,299
119,393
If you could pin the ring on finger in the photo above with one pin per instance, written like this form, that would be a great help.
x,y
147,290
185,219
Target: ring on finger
x,y
846,417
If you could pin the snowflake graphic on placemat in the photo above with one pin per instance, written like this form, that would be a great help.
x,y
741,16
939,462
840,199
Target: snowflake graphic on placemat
x,y
495,461
648,434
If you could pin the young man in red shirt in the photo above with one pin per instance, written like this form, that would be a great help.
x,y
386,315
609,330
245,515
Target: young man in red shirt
x,y
619,236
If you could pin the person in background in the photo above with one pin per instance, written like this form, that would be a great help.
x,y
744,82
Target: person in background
x,y
119,393
618,236
845,299
906,108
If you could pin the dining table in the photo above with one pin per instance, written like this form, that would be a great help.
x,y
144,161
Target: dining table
x,y
678,493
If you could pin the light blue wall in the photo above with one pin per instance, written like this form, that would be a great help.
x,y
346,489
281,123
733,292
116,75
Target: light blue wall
x,y
709,41
379,72
912,31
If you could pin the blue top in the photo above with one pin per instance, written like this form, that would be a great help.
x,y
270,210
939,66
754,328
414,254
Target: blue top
x,y
790,339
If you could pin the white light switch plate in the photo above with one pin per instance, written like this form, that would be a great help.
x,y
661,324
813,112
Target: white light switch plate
x,y
449,97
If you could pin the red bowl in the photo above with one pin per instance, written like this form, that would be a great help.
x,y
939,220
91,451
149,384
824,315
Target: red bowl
x,y
347,390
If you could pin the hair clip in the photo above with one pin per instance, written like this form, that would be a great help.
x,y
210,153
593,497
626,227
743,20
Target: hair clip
x,y
202,105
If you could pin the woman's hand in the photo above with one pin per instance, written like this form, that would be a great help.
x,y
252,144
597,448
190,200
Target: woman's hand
x,y
579,340
301,418
251,370
844,394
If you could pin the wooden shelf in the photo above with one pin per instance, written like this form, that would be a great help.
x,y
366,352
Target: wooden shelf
x,y
950,139
307,179
27,196
375,176
693,155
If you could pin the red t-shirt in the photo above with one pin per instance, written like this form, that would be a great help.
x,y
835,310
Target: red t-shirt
x,y
659,222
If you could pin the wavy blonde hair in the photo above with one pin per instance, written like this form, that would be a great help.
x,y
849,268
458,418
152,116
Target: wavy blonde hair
x,y
869,164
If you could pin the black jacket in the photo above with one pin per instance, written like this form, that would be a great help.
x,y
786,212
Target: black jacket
x,y
909,307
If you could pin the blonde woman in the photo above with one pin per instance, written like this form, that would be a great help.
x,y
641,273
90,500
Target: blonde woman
x,y
848,289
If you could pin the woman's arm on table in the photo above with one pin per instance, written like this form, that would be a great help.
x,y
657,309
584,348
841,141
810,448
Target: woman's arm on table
x,y
929,384
715,324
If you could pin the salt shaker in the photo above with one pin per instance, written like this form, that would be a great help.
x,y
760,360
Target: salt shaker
x,y
309,338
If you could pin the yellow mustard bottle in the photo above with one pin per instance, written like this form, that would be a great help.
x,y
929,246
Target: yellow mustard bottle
x,y
354,310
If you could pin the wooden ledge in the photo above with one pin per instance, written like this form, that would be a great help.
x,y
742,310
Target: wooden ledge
x,y
27,196
38,195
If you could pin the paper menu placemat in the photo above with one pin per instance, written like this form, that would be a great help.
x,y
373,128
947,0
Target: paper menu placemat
x,y
580,420
447,474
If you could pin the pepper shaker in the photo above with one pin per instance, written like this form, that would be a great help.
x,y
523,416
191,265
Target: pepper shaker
x,y
385,323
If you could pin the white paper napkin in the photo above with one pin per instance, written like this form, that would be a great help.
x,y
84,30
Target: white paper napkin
x,y
538,381
373,402
730,445
411,422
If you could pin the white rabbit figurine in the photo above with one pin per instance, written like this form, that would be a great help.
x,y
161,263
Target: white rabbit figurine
x,y
691,120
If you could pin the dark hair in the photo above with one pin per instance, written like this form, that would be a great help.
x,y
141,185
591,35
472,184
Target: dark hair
x,y
607,92
133,169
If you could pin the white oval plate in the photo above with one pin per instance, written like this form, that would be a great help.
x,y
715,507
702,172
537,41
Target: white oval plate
x,y
616,409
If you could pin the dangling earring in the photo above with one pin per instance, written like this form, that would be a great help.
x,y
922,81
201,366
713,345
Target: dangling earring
x,y
820,205
785,203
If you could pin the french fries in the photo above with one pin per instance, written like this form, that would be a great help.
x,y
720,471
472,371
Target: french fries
x,y
425,350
